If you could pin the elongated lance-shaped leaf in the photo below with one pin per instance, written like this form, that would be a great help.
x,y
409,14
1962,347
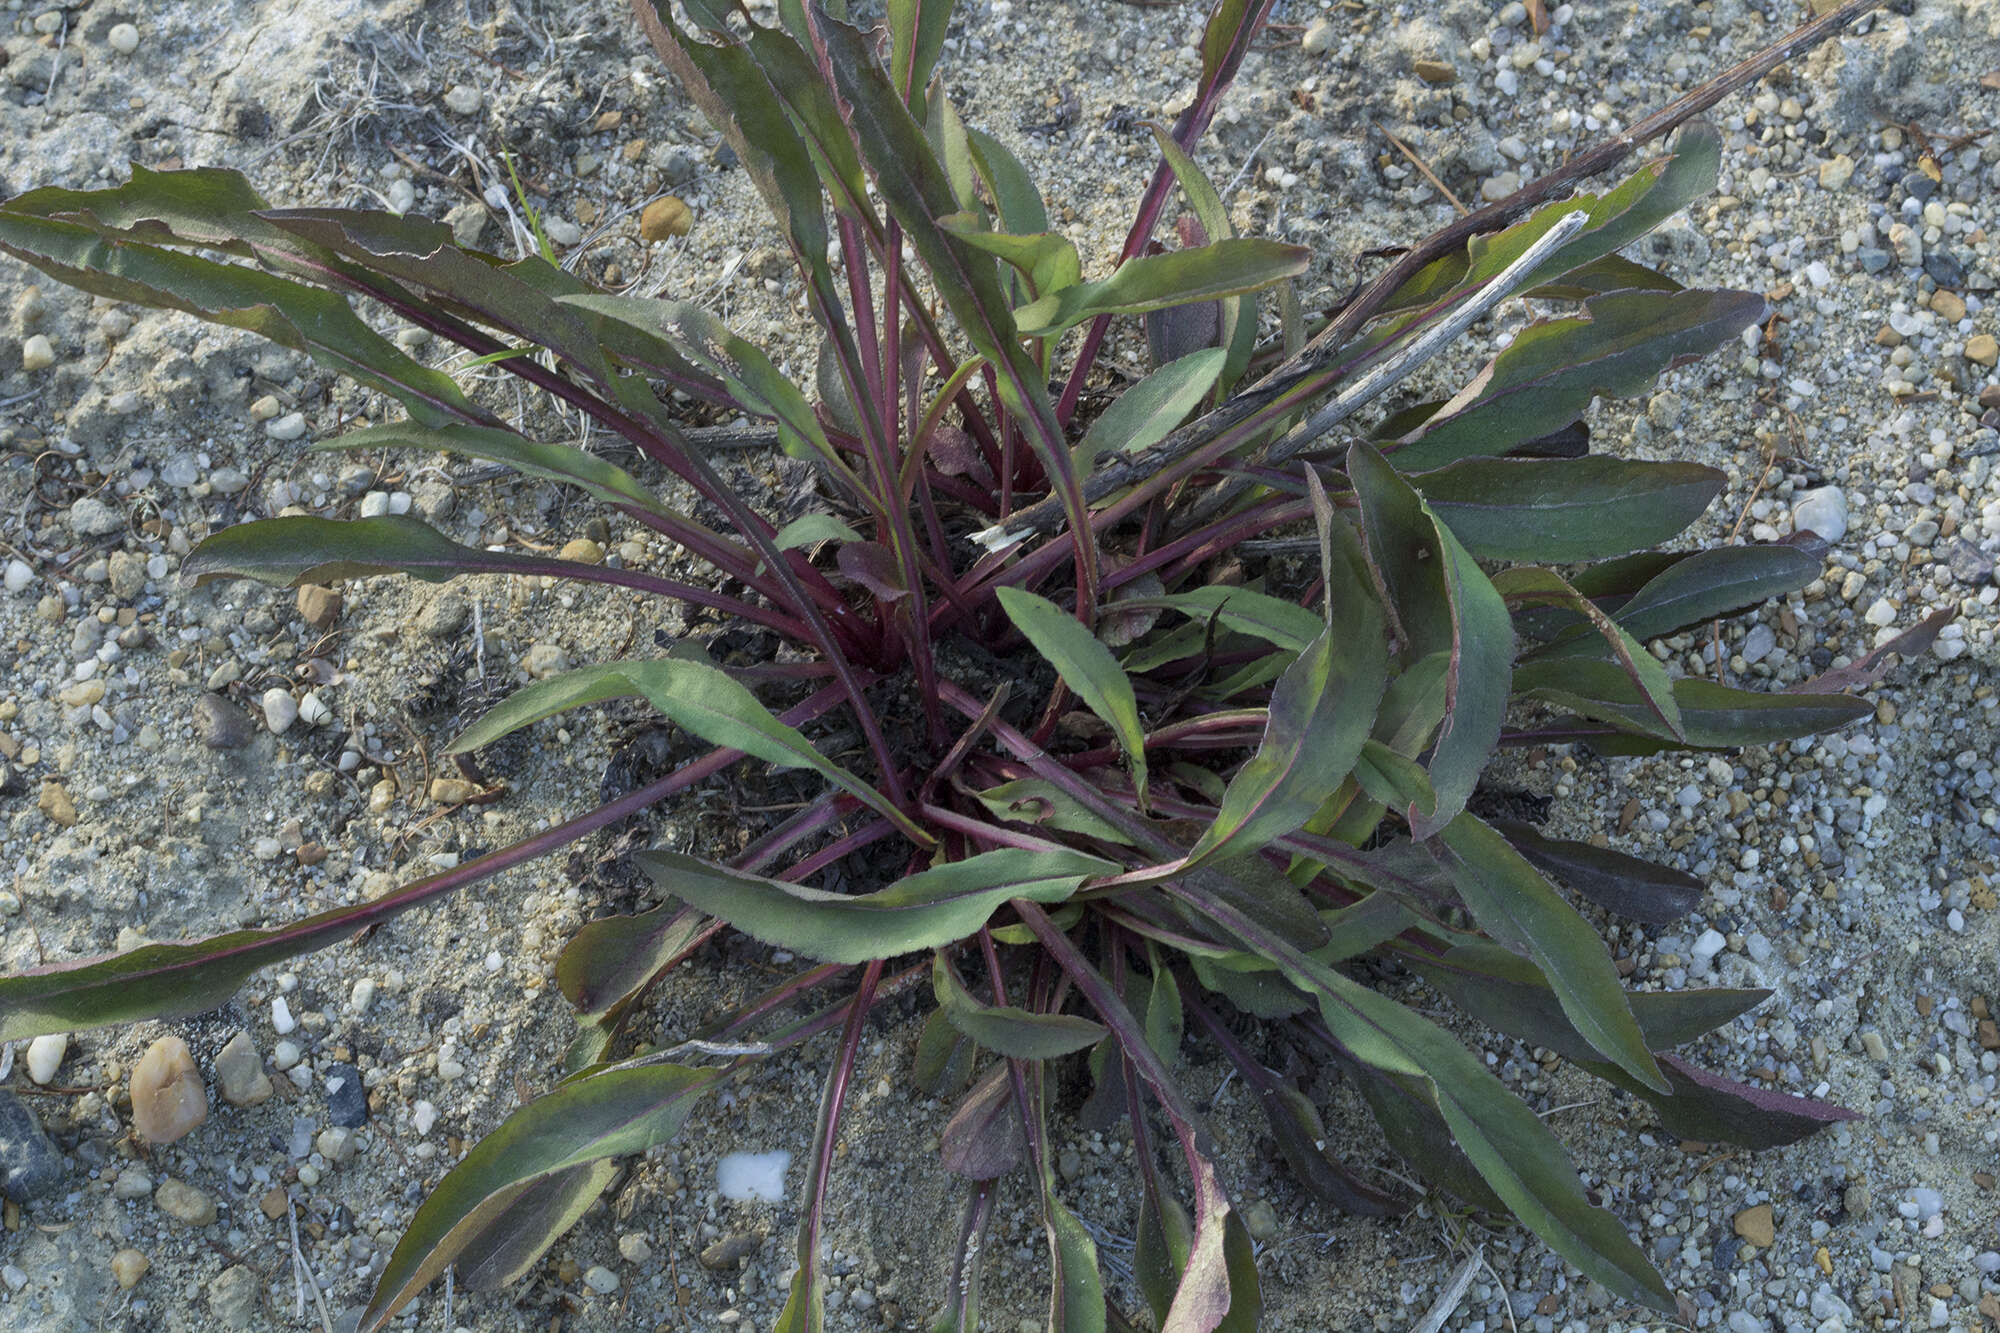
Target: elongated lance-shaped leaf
x,y
1514,1152
697,697
753,382
916,36
1046,261
1145,412
1522,910
609,959
1015,193
1630,886
1158,282
1511,994
1642,201
1321,711
1566,509
613,1114
1019,1034
1713,717
319,323
1045,805
552,462
1086,667
1442,603
1617,347
1529,585
286,552
1239,314
1613,273
1245,610
1712,1109
917,194
511,1233
1714,583
926,910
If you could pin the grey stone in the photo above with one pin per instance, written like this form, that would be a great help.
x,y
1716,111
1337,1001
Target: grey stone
x,y
233,1296
91,517
346,1099
1873,258
30,1163
1823,511
223,726
1945,268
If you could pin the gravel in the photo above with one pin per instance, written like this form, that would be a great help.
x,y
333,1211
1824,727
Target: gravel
x,y
1851,874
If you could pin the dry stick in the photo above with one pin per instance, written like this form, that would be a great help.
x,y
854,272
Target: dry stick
x,y
1047,515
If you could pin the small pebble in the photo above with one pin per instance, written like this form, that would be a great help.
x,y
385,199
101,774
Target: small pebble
x,y
128,1266
346,1099
600,1279
185,1203
45,1056
239,1073
1756,1226
280,709
168,1100
37,353
1320,37
132,1183
221,724
1823,511
123,37
463,99
665,218
290,426
30,1163
634,1248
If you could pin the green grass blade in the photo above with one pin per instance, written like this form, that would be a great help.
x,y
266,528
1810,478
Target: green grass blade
x,y
1087,667
927,910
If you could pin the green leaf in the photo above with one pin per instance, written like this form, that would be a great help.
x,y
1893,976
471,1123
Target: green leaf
x,y
1523,911
1511,1148
1227,267
612,1114
1160,1249
1642,201
1307,1147
1018,1034
1617,347
1613,273
115,243
1713,717
552,462
1637,889
1567,509
1145,413
927,910
286,552
504,1244
752,381
1164,1018
693,695
1245,610
1321,711
1087,667
1442,603
1527,585
916,36
807,529
1014,190
1714,583
944,1057
609,959
1039,802
1077,1298
1239,314
1047,260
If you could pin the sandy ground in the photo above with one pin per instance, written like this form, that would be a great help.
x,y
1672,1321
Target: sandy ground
x,y
1851,875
